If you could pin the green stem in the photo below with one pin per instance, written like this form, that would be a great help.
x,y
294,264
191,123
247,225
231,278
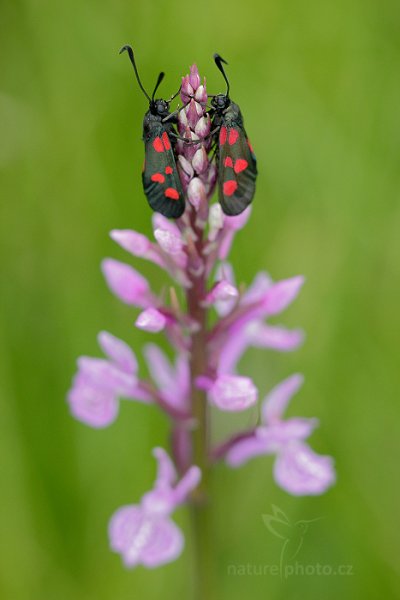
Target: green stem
x,y
200,507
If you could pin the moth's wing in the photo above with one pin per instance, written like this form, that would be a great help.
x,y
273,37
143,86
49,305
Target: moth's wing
x,y
237,170
161,181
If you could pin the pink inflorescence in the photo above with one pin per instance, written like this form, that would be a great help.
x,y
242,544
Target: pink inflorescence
x,y
194,252
198,173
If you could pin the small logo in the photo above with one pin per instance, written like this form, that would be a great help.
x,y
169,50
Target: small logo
x,y
292,533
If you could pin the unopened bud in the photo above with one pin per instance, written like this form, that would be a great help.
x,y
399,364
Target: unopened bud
x,y
193,112
201,94
200,160
186,90
196,193
203,126
194,77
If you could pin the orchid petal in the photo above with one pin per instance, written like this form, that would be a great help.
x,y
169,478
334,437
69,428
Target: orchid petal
x,y
225,272
189,482
233,393
261,284
232,352
166,474
222,292
276,338
164,544
169,242
103,374
159,366
118,351
281,294
300,471
141,539
239,221
126,283
276,401
123,527
244,450
94,406
161,222
172,383
137,244
282,433
215,221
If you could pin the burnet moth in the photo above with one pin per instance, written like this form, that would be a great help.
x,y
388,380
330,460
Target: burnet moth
x,y
161,182
237,168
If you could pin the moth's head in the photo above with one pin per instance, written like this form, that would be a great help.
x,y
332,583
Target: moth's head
x,y
220,102
159,107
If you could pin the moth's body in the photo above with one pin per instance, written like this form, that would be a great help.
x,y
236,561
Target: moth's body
x,y
237,167
161,181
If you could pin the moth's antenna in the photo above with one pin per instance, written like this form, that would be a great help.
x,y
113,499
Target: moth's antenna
x,y
218,61
175,95
159,80
132,59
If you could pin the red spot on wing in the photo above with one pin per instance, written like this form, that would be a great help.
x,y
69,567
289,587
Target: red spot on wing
x,y
222,136
233,136
158,145
171,193
230,187
165,139
169,170
228,162
240,165
250,146
158,177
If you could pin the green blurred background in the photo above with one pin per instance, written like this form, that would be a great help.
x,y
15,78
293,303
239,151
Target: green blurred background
x,y
318,83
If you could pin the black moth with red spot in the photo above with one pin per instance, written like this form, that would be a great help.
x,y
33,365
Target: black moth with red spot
x,y
237,168
161,182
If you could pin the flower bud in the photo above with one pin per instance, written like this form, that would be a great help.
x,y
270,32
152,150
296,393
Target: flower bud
x,y
196,193
182,121
200,161
203,126
186,168
201,94
193,112
194,77
215,220
186,90
151,320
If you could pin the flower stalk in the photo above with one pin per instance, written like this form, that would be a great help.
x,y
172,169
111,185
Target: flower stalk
x,y
204,376
200,507
194,123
